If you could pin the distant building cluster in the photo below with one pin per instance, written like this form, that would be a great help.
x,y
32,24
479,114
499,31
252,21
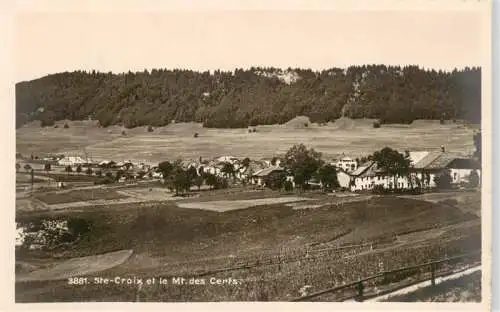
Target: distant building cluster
x,y
351,174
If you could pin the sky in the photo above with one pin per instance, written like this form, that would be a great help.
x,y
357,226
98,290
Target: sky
x,y
49,42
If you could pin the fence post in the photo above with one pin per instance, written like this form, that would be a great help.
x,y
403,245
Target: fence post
x,y
433,274
360,291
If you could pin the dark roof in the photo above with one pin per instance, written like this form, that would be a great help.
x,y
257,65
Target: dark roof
x,y
267,171
362,168
369,169
464,163
440,160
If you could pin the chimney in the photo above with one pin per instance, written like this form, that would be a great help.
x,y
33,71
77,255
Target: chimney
x,y
442,148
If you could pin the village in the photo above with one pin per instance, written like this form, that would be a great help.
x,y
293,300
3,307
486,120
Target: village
x,y
429,170
387,209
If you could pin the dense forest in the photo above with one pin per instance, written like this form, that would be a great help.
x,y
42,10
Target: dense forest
x,y
242,98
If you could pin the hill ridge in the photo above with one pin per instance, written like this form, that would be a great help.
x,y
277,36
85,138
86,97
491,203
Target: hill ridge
x,y
242,98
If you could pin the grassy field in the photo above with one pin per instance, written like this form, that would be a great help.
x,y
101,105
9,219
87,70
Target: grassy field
x,y
171,241
352,137
79,195
465,289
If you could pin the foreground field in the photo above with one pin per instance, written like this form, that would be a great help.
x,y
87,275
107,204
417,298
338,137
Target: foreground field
x,y
352,137
271,249
465,289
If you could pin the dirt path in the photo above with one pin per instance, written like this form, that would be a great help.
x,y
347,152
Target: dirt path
x,y
77,267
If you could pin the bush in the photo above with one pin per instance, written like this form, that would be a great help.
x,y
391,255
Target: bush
x,y
150,128
379,189
473,180
79,226
275,180
124,132
195,135
46,123
288,186
443,180
376,124
66,126
221,183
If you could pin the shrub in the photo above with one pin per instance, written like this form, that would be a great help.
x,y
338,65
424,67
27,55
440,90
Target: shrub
x,y
221,183
443,180
78,226
288,186
275,180
376,124
473,180
195,135
150,128
379,189
124,132
46,123
66,126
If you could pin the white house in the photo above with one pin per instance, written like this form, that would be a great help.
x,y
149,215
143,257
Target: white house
x,y
229,159
71,161
347,164
435,162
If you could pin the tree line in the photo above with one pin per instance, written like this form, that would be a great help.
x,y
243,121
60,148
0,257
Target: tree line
x,y
248,97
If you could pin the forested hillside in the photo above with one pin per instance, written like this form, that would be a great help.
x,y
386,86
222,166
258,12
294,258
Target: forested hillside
x,y
250,97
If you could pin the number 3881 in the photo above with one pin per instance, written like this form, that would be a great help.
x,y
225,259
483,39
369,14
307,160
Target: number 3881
x,y
77,281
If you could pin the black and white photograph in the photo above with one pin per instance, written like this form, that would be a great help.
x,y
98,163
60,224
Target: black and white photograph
x,y
253,155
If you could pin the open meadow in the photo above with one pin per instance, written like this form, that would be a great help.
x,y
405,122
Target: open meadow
x,y
353,137
271,247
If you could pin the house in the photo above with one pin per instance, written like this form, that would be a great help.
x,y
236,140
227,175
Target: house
x,y
188,163
461,168
424,167
229,159
435,162
213,167
71,161
346,163
271,162
245,173
259,177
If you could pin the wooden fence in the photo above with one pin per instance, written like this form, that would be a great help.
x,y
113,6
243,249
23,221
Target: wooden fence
x,y
359,286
